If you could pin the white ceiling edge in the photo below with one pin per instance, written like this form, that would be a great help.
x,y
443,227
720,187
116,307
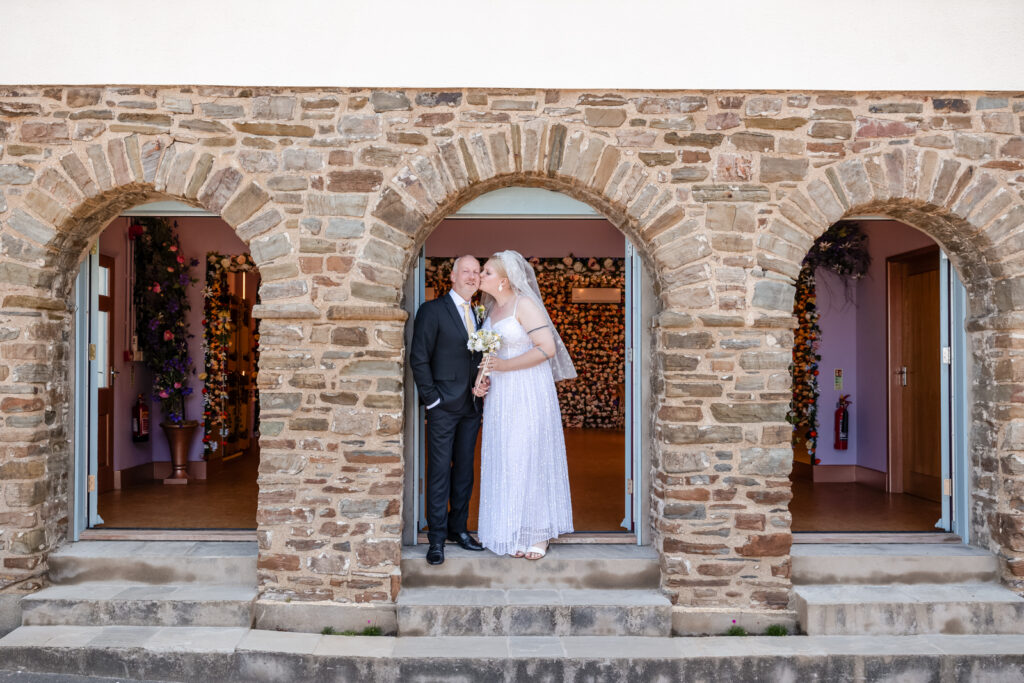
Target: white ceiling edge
x,y
526,202
169,208
899,45
508,202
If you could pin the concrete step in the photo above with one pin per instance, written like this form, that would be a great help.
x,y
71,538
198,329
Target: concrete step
x,y
136,604
581,566
955,609
236,655
881,564
533,612
155,562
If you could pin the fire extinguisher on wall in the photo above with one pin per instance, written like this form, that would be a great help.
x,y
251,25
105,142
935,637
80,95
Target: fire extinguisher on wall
x,y
140,421
842,423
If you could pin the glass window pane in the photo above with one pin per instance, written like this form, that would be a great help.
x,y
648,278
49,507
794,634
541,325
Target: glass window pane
x,y
104,285
102,355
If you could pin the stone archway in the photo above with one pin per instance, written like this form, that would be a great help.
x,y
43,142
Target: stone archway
x,y
972,217
71,199
334,189
636,314
676,252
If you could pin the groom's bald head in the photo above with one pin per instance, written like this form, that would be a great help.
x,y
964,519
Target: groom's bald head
x,y
466,276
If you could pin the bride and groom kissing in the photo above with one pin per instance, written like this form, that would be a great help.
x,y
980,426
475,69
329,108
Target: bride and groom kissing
x,y
524,480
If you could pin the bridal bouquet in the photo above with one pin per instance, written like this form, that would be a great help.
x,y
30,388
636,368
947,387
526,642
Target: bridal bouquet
x,y
487,343
484,341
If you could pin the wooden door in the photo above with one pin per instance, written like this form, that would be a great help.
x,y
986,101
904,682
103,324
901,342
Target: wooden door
x,y
915,447
105,376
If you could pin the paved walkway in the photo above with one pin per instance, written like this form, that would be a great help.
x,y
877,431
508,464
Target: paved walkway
x,y
238,654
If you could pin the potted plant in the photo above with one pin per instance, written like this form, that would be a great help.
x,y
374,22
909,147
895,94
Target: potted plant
x,y
162,278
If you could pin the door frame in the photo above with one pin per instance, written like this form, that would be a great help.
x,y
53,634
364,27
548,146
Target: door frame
x,y
85,513
952,305
106,370
641,305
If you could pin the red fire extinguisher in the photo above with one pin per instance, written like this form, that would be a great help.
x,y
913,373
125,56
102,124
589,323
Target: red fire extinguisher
x,y
140,420
842,426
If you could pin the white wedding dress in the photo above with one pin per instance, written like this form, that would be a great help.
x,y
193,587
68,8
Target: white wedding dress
x,y
524,477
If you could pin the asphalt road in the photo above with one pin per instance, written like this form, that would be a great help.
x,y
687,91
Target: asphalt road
x,y
7,676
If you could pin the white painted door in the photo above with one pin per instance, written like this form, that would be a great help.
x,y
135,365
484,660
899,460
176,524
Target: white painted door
x,y
631,455
90,336
955,491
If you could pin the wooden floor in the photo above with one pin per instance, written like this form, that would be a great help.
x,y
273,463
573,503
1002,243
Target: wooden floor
x,y
596,475
596,480
227,500
856,507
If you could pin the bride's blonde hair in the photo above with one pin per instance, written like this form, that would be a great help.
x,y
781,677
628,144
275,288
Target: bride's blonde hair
x,y
498,265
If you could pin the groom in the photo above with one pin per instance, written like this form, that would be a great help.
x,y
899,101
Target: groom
x,y
445,370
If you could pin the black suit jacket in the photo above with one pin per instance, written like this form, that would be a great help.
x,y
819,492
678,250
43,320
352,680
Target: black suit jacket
x,y
441,364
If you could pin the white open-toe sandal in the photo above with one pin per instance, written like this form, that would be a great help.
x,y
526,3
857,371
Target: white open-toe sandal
x,y
536,550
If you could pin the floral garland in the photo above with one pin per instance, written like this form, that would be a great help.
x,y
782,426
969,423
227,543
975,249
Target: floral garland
x,y
594,334
803,408
216,343
843,249
162,278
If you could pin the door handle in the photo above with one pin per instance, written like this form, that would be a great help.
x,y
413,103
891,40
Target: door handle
x,y
902,373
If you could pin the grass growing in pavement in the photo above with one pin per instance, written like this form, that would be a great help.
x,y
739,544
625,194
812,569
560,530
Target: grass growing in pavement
x,y
367,631
776,630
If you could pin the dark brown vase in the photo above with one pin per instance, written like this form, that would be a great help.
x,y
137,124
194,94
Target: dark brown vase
x,y
179,438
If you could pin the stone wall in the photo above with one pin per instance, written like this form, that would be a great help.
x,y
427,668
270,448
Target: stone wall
x,y
334,191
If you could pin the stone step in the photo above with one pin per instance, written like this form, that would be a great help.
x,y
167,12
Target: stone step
x,y
532,612
155,562
232,655
955,609
881,563
581,566
137,604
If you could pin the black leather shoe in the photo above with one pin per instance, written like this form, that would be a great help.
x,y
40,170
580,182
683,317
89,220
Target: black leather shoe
x,y
466,541
435,553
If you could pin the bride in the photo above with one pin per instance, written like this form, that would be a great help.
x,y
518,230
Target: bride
x,y
524,478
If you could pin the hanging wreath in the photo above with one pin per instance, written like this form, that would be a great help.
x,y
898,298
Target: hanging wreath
x,y
842,249
216,344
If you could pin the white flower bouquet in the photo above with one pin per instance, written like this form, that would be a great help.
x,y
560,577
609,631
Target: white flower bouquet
x,y
484,341
487,343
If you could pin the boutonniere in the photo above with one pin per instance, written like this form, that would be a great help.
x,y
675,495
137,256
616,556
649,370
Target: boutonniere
x,y
480,312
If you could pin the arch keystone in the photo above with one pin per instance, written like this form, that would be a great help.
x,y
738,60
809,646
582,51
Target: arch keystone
x,y
393,210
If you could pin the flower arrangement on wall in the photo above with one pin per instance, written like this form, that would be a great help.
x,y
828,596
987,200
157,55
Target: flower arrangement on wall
x,y
842,249
594,334
217,340
162,278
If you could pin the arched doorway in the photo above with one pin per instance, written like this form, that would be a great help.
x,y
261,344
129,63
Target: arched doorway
x,y
142,333
602,301
880,391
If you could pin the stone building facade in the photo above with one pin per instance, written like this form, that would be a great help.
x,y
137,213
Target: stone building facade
x,y
334,190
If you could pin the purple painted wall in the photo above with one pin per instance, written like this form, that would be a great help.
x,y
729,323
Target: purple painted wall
x,y
544,238
198,236
837,301
853,337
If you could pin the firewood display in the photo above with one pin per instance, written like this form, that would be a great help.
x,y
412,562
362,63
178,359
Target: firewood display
x,y
594,334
